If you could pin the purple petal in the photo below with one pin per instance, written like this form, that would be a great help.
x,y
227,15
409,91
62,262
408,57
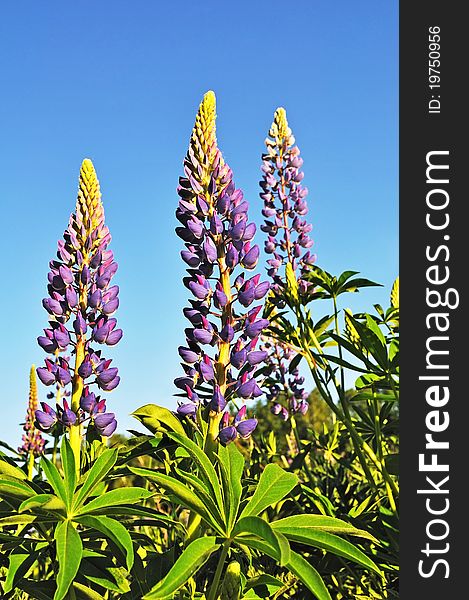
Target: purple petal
x,y
45,376
245,428
44,420
114,337
227,435
256,357
254,329
111,385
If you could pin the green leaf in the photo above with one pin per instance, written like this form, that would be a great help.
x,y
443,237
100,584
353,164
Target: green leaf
x,y
207,470
124,495
190,561
202,491
295,362
13,488
259,527
274,484
7,467
17,520
84,592
309,576
162,519
262,586
297,565
331,543
321,522
114,531
54,478
44,591
44,502
69,469
95,475
157,418
231,463
183,494
69,551
19,563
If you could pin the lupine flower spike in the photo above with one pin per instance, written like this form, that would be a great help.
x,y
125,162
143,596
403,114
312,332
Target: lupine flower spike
x,y
33,442
288,245
80,304
220,356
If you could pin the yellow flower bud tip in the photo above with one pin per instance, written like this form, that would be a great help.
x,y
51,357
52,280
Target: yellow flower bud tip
x,y
280,130
204,132
89,206
395,293
32,385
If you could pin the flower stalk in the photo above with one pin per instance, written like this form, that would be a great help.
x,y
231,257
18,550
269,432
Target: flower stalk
x,y
33,442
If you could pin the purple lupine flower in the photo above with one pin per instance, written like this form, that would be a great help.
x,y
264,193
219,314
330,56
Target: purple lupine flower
x,y
33,442
218,241
240,426
288,243
284,206
284,387
80,304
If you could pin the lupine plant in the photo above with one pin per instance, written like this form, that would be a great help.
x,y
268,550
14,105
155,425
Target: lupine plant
x,y
32,441
80,305
298,284
196,506
220,355
288,246
226,515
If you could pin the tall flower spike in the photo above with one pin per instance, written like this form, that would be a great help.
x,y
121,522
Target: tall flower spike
x,y
33,442
285,205
288,245
223,333
81,303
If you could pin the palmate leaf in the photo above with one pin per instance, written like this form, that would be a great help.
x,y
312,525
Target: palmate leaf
x,y
190,561
95,475
274,484
69,551
114,531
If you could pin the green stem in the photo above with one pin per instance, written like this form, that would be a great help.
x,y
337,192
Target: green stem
x,y
213,594
211,443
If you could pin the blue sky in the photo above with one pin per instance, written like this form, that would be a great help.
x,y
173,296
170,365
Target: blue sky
x,y
120,82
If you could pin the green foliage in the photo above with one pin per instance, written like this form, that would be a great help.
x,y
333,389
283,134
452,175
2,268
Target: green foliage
x,y
306,508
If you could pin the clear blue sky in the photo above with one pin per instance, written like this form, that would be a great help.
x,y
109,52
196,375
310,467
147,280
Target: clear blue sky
x,y
120,82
